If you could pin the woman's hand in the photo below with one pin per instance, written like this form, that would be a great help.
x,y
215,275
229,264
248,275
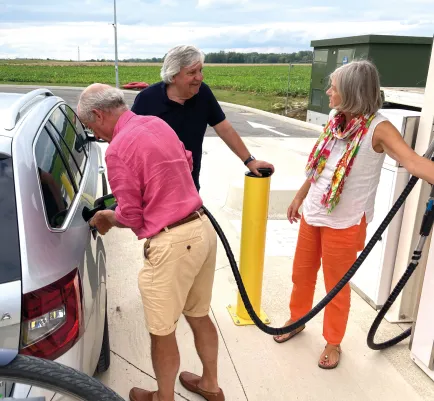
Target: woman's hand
x,y
293,214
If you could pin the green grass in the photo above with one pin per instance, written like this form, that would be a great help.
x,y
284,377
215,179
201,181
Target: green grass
x,y
273,103
262,87
269,80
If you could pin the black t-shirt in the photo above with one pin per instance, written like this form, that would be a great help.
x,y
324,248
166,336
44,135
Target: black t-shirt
x,y
189,120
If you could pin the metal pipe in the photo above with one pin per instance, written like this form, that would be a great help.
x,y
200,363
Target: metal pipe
x,y
116,46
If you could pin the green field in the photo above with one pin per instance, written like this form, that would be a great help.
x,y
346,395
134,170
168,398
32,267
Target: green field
x,y
269,79
260,86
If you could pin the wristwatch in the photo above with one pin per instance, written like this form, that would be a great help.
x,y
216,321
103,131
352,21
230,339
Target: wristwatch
x,y
249,159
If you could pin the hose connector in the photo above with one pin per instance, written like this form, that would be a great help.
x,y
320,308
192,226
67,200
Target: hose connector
x,y
428,218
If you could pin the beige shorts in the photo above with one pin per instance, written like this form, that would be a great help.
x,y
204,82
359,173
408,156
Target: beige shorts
x,y
178,274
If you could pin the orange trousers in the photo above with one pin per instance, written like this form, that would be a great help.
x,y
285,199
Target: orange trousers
x,y
338,250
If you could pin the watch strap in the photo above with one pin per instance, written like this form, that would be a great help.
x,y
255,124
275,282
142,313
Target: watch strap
x,y
248,160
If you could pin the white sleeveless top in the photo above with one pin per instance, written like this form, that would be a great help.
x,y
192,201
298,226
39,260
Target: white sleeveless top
x,y
358,195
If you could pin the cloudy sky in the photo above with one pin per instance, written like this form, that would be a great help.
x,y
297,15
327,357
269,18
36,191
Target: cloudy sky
x,y
148,28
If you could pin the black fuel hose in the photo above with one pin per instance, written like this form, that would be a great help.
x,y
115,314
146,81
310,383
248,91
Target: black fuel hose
x,y
345,279
378,319
425,230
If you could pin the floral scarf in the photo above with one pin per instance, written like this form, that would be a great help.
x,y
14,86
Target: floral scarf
x,y
354,132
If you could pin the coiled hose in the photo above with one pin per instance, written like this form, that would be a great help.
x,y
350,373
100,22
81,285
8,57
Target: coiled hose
x,y
427,225
377,321
425,229
424,232
345,279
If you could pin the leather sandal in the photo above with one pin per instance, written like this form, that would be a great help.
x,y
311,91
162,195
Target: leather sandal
x,y
326,357
190,381
288,336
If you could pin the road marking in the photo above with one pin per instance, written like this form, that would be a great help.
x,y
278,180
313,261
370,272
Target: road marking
x,y
266,127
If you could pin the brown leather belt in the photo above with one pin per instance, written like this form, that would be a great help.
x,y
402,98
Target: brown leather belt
x,y
192,216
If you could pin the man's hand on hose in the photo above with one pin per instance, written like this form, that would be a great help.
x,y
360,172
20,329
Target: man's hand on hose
x,y
255,164
293,214
103,221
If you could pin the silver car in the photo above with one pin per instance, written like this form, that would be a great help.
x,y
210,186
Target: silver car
x,y
53,299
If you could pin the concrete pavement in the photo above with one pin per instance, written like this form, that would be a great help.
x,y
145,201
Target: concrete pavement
x,y
251,365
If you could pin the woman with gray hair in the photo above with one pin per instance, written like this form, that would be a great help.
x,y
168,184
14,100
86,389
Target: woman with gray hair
x,y
343,172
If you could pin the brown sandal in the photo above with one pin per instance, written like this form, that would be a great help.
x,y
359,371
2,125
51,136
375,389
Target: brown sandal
x,y
326,357
288,336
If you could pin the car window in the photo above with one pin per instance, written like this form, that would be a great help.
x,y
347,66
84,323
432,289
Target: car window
x,y
70,144
10,265
79,129
58,189
72,164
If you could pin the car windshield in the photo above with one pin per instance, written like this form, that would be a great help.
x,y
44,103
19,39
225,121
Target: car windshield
x,y
10,266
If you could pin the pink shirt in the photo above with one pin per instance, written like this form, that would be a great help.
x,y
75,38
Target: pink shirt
x,y
149,171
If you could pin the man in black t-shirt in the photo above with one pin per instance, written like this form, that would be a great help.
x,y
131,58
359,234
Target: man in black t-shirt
x,y
189,106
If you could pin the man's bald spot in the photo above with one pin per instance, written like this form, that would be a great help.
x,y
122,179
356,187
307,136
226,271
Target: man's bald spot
x,y
93,88
97,87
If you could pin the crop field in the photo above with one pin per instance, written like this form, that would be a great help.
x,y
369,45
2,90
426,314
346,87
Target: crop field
x,y
258,79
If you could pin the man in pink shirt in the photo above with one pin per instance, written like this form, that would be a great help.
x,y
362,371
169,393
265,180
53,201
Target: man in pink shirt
x,y
149,172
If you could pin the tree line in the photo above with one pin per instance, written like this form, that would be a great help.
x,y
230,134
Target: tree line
x,y
222,57
304,56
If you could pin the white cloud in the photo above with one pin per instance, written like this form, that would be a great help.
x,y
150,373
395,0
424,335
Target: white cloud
x,y
170,3
210,3
318,9
96,40
149,28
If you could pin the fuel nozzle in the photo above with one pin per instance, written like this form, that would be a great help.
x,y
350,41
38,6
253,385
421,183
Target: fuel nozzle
x,y
428,217
103,203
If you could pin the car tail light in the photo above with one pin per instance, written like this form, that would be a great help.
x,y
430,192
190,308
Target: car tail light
x,y
52,318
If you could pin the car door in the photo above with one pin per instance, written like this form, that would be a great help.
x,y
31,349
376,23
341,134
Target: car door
x,y
75,170
95,258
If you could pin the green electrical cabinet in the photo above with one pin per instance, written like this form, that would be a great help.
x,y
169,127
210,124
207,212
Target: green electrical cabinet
x,y
402,61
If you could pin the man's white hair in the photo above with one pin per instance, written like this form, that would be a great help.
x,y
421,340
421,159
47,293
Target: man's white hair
x,y
99,97
178,58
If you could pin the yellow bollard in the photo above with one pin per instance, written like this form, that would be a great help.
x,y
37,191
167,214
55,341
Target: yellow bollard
x,y
253,233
